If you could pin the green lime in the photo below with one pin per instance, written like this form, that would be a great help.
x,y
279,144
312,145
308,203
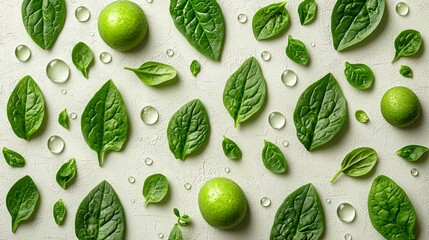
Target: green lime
x,y
222,203
400,106
122,25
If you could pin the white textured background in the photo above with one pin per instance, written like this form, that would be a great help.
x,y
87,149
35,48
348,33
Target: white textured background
x,y
316,167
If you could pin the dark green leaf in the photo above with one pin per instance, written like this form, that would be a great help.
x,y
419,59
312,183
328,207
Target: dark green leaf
x,y
358,162
359,75
307,11
406,71
176,212
155,188
66,173
82,58
273,158
231,149
63,119
412,153
154,73
407,44
13,158
270,21
176,233
59,212
195,67
297,51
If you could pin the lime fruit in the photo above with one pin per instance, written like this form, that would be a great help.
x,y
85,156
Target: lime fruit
x,y
222,203
122,25
400,106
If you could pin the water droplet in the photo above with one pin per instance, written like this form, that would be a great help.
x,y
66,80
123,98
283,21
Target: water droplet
x,y
92,34
361,116
64,91
160,235
313,44
149,115
285,143
22,53
265,202
140,139
328,200
149,1
402,9
289,78
73,115
266,56
346,212
170,52
414,172
242,18
227,170
148,161
131,179
58,71
348,236
56,144
82,14
105,57
276,120
187,186
133,200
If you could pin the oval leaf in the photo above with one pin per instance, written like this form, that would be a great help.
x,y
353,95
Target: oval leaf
x,y
155,188
154,73
82,58
63,119
270,21
195,67
231,149
273,158
176,233
13,158
358,162
360,76
307,11
59,212
407,43
406,71
297,51
66,173
412,153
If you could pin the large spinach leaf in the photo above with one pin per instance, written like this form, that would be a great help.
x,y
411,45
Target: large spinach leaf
x,y
358,162
270,21
273,158
13,158
154,73
320,113
104,121
201,23
82,58
297,51
407,44
300,216
155,188
391,212
100,215
354,20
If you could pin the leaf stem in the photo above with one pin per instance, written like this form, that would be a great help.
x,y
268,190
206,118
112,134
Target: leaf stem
x,y
336,175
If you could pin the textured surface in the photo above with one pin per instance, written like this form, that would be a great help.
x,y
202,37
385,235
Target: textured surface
x,y
317,167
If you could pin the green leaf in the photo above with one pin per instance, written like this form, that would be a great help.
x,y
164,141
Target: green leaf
x,y
407,44
176,233
176,212
155,188
195,67
320,113
360,76
412,153
188,130
201,23
273,158
358,162
297,51
391,212
307,11
43,20
13,158
300,216
21,200
104,121
66,173
100,215
406,71
270,21
231,149
361,116
63,119
26,108
354,20
59,212
154,73
181,220
245,91
82,58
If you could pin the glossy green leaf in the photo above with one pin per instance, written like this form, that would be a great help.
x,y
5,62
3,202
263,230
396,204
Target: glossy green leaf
x,y
63,119
361,116
155,188
407,44
307,11
13,158
359,75
270,21
66,173
59,212
195,67
412,153
297,51
176,233
231,149
154,73
358,162
82,58
26,108
406,71
273,158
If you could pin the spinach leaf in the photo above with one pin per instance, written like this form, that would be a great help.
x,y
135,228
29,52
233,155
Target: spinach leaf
x,y
361,116
59,212
63,119
21,200
407,44
300,216
154,73
176,233
201,23
26,108
100,215
155,188
297,51
195,67
245,91
270,21
391,212
43,20
406,71
358,162
354,20
66,173
412,153
231,149
307,11
188,130
104,121
359,75
13,158
273,158
82,58
320,113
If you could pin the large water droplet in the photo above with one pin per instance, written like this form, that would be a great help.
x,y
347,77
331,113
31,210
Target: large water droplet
x,y
105,57
265,202
170,52
289,78
148,161
58,71
402,9
22,53
131,179
346,212
276,120
242,18
187,186
266,56
414,172
348,236
56,144
149,115
82,14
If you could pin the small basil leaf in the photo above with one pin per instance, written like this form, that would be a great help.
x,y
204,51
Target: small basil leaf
x,y
270,21
154,73
231,149
66,173
406,71
82,58
407,44
59,212
273,158
245,91
176,212
297,51
307,11
360,76
21,200
155,188
361,116
412,153
188,130
26,108
63,119
358,162
195,67
13,158
176,233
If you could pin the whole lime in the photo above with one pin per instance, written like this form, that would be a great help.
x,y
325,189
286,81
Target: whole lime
x,y
222,203
122,25
400,106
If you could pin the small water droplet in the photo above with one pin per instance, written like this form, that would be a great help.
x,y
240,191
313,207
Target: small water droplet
x,y
313,44
148,161
133,200
170,52
285,143
276,120
105,57
22,53
346,212
348,236
58,71
73,115
149,1
328,200
56,144
266,56
64,91
131,179
82,14
361,116
149,115
402,9
140,139
227,170
160,235
242,18
265,202
414,172
289,78
187,186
